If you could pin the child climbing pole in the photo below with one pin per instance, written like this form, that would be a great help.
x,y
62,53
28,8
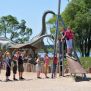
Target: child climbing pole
x,y
69,35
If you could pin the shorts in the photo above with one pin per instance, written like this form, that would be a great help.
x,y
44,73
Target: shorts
x,y
20,68
69,43
38,68
15,69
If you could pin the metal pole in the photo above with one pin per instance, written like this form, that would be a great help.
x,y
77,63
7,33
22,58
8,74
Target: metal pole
x,y
61,61
57,28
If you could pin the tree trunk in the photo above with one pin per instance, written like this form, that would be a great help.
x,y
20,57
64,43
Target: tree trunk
x,y
81,48
88,44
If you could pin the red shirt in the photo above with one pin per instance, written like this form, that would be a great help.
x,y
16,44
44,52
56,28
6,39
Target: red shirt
x,y
46,60
55,60
69,34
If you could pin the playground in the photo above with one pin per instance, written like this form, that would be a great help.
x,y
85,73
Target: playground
x,y
31,83
22,68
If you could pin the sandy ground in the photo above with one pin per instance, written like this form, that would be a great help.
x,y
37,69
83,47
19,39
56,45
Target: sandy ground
x,y
31,83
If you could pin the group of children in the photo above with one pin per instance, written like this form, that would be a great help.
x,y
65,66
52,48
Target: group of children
x,y
46,65
17,59
17,62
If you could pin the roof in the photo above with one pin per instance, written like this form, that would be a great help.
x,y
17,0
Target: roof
x,y
5,41
19,46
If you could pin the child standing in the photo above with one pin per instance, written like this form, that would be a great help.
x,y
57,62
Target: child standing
x,y
55,61
46,64
38,67
8,65
15,60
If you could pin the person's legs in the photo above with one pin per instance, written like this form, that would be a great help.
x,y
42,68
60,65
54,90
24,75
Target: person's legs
x,y
13,76
69,46
0,70
55,70
46,71
38,74
7,73
52,71
21,70
14,72
19,75
22,75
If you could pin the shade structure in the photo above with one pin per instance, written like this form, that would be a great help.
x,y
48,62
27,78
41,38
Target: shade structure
x,y
4,41
19,46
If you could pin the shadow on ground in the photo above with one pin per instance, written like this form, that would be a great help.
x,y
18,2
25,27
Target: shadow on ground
x,y
79,79
16,80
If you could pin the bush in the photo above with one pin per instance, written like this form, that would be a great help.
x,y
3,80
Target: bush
x,y
86,62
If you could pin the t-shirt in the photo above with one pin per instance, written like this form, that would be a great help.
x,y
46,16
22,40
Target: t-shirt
x,y
20,60
55,60
46,60
69,34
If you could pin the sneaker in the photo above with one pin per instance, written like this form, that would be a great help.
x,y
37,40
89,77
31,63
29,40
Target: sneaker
x,y
21,78
52,77
47,77
15,79
39,77
8,80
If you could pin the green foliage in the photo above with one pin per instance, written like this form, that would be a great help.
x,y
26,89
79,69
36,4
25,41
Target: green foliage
x,y
52,22
86,62
14,30
77,15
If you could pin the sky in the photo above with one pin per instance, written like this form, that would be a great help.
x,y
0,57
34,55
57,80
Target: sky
x,y
30,10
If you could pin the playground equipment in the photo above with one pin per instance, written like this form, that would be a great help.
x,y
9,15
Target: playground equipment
x,y
5,43
75,66
37,41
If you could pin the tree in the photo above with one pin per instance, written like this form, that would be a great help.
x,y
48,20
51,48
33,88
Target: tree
x,y
14,30
78,15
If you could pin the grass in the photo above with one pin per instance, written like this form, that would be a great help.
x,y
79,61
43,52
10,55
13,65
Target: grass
x,y
86,62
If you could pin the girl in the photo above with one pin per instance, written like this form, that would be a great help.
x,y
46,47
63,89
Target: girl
x,y
38,67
